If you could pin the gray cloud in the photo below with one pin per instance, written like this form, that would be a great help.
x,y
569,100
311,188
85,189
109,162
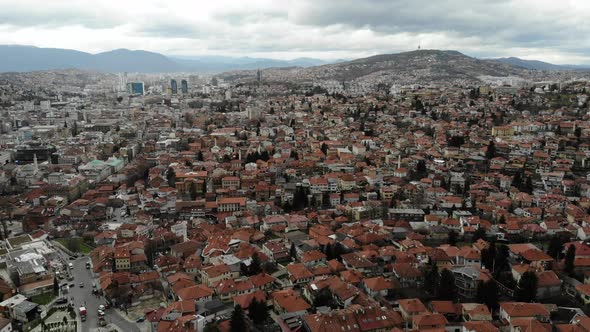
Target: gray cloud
x,y
541,29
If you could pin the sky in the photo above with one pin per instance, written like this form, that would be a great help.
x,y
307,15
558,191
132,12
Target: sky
x,y
548,30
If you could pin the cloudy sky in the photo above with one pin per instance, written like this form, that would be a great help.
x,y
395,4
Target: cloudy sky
x,y
549,30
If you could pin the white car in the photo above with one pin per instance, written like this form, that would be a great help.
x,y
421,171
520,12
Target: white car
x,y
101,313
101,307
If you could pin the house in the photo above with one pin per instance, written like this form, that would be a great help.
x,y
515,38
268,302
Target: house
x,y
467,279
355,318
510,311
290,307
356,262
201,294
428,321
276,250
299,274
410,308
377,286
479,326
212,275
407,274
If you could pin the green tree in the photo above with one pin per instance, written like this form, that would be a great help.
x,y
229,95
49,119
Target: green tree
x,y
55,286
258,312
324,148
255,267
171,177
453,238
237,321
491,150
526,291
555,247
570,256
212,327
480,233
447,290
488,293
431,279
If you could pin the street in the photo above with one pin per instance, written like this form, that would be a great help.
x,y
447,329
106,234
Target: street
x,y
84,297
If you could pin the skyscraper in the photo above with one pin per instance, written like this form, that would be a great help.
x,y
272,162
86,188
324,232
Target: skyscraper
x,y
259,75
184,86
174,86
135,88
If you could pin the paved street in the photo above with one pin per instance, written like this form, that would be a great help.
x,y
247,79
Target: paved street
x,y
84,297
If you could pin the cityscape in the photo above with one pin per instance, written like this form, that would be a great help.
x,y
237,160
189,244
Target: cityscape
x,y
415,188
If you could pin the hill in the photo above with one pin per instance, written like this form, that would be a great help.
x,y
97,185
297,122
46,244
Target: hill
x,y
16,58
539,65
29,58
420,66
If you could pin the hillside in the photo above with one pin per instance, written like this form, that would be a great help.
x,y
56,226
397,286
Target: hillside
x,y
430,65
539,65
16,58
421,66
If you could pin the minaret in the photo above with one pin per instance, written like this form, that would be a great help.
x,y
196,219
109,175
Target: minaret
x,y
399,161
35,163
239,154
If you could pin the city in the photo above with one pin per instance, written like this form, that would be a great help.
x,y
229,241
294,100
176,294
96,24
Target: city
x,y
423,190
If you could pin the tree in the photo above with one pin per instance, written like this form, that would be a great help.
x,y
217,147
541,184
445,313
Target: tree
x,y
501,258
237,321
555,247
447,289
324,148
491,150
431,279
55,286
480,233
171,177
255,267
324,298
453,237
526,291
570,256
488,293
73,244
258,312
212,327
528,186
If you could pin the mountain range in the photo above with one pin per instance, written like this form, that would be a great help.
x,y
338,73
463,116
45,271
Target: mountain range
x,y
439,64
540,65
16,58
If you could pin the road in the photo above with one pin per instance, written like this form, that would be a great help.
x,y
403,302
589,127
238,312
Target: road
x,y
84,297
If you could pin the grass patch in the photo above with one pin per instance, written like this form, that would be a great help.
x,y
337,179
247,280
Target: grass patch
x,y
43,299
75,245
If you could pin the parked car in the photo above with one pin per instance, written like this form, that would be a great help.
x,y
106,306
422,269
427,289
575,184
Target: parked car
x,y
101,307
81,285
61,300
72,285
140,319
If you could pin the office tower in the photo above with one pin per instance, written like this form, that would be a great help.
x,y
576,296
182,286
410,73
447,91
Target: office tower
x,y
184,86
135,88
174,86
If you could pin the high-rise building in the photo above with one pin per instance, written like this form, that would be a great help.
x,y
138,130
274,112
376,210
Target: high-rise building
x,y
135,88
259,75
174,86
184,86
